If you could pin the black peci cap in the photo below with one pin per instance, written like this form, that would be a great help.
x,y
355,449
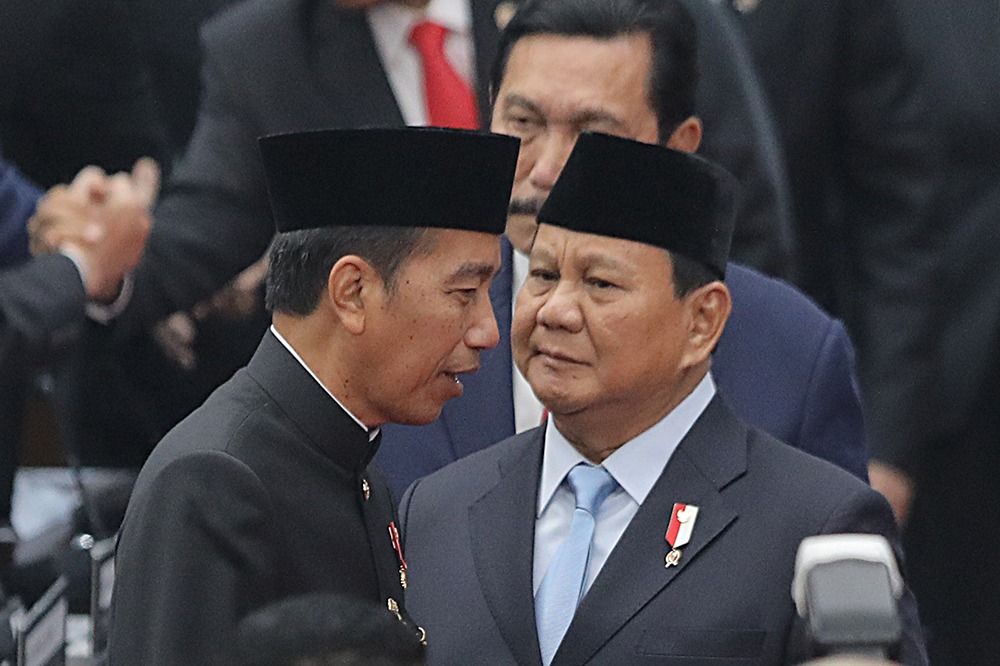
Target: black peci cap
x,y
617,187
410,177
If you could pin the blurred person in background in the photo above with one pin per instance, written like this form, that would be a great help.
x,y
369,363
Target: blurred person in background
x,y
326,630
278,66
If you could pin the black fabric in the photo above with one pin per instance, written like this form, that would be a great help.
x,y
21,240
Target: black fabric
x,y
647,193
257,496
370,177
74,90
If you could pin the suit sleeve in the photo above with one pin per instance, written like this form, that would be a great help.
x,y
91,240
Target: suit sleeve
x,y
213,219
41,301
193,558
740,134
832,423
18,198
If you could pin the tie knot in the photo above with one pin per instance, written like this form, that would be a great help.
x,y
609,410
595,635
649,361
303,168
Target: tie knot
x,y
428,36
591,485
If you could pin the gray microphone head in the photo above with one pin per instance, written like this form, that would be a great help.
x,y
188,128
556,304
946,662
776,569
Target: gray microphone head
x,y
846,587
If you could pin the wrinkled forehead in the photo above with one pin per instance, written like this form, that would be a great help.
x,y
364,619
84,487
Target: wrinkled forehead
x,y
562,73
559,246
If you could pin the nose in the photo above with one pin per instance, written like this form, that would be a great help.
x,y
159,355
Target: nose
x,y
483,333
561,309
555,150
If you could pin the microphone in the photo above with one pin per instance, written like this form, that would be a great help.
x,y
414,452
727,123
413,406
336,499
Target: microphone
x,y
845,588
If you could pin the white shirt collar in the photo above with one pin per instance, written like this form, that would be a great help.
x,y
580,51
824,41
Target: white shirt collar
x,y
371,433
393,22
638,463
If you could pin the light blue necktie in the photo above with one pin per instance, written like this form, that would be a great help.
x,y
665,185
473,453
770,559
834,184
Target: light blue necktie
x,y
562,585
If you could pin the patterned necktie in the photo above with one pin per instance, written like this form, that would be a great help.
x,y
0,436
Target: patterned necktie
x,y
562,585
450,101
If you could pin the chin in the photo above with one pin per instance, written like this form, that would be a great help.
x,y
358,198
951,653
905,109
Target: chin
x,y
417,417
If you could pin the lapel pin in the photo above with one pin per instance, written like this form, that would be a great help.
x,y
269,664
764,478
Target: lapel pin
x,y
398,547
504,13
679,531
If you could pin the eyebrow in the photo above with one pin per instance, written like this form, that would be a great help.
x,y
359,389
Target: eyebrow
x,y
590,259
582,117
474,270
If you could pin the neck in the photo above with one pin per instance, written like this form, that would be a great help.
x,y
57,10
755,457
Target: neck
x,y
311,338
597,433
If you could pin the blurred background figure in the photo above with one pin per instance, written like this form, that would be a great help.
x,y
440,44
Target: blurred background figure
x,y
845,88
945,477
326,630
42,299
74,91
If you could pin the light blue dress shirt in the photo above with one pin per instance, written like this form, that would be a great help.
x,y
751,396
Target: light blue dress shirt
x,y
636,466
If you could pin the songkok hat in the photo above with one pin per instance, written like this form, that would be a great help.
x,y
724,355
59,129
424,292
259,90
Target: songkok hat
x,y
409,177
646,193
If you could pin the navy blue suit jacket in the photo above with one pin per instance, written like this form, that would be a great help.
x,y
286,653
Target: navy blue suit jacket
x,y
469,530
784,365
18,197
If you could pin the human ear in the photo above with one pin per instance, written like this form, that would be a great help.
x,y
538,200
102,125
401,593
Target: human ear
x,y
348,289
709,307
687,136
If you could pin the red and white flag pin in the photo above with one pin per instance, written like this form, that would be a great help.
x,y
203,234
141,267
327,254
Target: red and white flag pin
x,y
679,531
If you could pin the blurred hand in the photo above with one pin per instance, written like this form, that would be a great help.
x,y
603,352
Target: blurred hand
x,y
895,485
176,335
101,221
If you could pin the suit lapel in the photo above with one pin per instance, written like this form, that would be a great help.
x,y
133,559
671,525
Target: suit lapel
x,y
485,412
502,525
348,67
711,456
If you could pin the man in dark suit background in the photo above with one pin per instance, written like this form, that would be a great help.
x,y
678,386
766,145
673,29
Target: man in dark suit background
x,y
380,302
947,492
784,365
845,87
552,541
42,299
330,69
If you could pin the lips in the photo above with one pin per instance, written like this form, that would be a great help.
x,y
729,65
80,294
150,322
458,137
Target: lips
x,y
557,355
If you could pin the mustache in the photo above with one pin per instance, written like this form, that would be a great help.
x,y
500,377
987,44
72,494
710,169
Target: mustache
x,y
525,207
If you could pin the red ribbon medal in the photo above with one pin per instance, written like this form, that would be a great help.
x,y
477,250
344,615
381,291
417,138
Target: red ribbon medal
x,y
394,536
679,531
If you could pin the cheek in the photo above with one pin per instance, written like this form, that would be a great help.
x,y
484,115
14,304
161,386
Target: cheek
x,y
523,324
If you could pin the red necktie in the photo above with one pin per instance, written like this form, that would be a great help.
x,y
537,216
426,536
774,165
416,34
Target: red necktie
x,y
450,101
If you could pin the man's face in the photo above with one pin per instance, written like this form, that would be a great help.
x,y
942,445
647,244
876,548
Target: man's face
x,y
429,330
597,327
556,87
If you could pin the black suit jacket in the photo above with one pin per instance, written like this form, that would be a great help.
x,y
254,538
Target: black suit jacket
x,y
74,89
469,542
845,89
258,495
274,66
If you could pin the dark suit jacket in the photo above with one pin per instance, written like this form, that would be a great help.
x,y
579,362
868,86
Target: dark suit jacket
x,y
257,496
954,454
844,87
784,365
469,540
18,197
274,66
74,91
41,301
